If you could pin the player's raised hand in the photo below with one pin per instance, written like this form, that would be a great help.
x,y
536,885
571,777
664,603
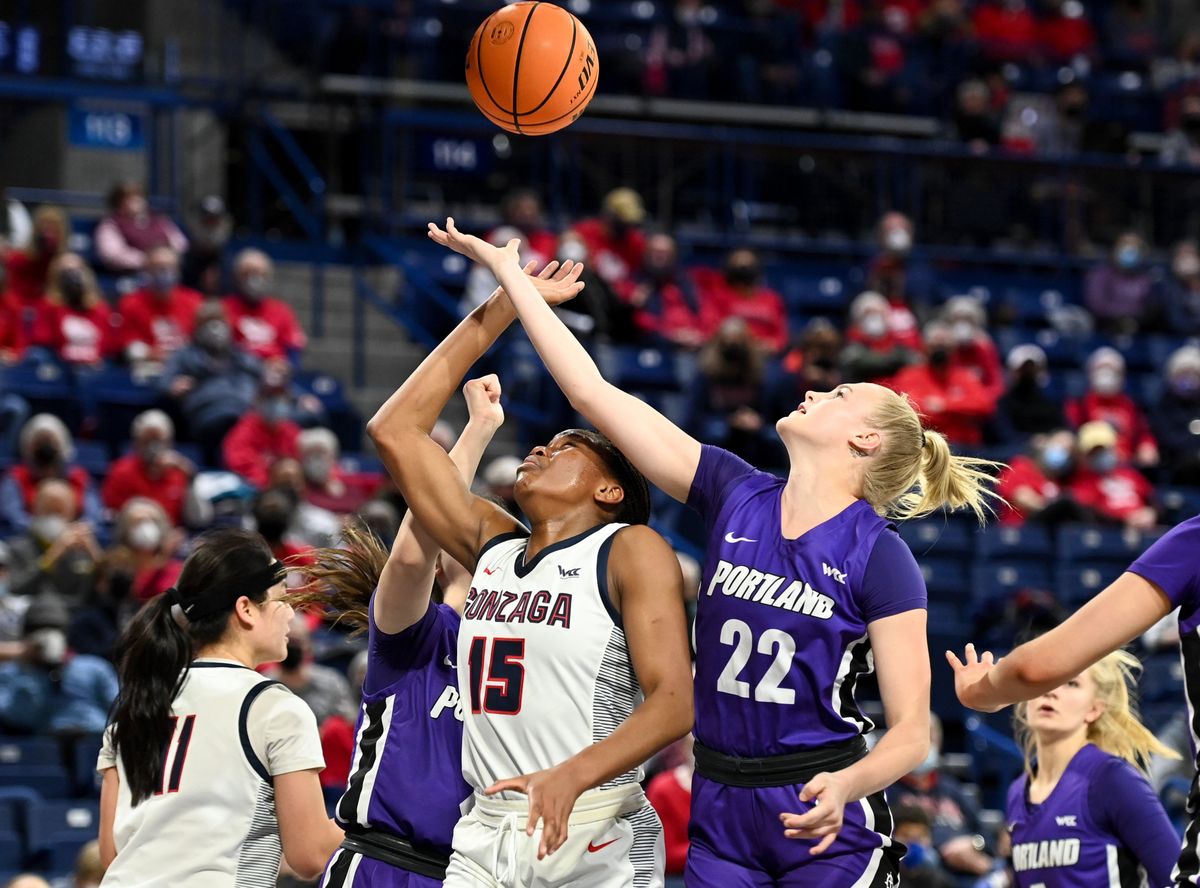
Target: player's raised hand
x,y
475,248
827,791
552,794
483,401
558,283
969,675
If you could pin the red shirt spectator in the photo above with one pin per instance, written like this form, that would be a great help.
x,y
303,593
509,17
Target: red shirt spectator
x,y
671,795
1023,472
953,399
672,311
254,444
163,323
12,334
267,328
1119,411
84,336
1006,32
738,292
337,743
27,275
27,483
982,358
615,243
1064,37
1116,495
129,476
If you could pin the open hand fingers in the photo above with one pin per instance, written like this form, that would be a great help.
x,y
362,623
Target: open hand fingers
x,y
548,272
955,663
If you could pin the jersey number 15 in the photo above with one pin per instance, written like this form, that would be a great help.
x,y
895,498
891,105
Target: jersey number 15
x,y
500,691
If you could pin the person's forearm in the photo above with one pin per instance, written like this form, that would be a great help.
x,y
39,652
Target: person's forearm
x,y
423,396
901,749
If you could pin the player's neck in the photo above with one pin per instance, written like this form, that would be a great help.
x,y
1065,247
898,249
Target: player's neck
x,y
223,650
1054,754
548,531
813,494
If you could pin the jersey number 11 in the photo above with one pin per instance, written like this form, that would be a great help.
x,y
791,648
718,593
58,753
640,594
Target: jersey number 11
x,y
181,739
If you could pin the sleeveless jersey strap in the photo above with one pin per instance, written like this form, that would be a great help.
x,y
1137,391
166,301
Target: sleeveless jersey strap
x,y
244,728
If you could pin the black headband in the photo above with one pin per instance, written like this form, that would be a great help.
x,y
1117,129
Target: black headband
x,y
214,601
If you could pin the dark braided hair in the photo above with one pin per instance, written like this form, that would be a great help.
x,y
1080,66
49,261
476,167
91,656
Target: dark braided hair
x,y
635,508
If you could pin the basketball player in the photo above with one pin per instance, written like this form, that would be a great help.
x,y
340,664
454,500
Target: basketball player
x,y
806,589
1165,577
406,789
209,768
565,626
1083,815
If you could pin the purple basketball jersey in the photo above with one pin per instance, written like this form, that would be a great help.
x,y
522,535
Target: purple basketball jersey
x,y
406,777
1098,826
781,625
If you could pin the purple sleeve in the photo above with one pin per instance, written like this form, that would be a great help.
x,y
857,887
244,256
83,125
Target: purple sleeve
x,y
717,473
1171,563
1122,802
389,657
892,581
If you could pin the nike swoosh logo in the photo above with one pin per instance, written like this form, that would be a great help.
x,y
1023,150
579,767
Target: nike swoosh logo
x,y
448,663
489,570
592,849
730,538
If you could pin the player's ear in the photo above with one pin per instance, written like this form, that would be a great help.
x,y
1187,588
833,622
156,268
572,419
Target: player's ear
x,y
610,494
246,612
866,442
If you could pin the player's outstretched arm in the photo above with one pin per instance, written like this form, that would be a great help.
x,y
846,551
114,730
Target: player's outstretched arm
x,y
1119,614
663,452
407,577
646,585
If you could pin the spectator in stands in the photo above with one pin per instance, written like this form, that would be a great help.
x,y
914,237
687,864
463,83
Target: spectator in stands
x,y
46,450
521,209
954,400
1104,483
78,325
1181,146
481,282
213,383
1034,485
1120,293
1064,32
670,793
1106,400
89,868
976,124
153,470
810,364
681,58
1129,34
125,237
16,226
326,485
210,230
668,307
1006,30
1025,407
146,545
265,433
902,280
103,614
1064,129
597,312
304,525
382,519
262,324
740,292
973,347
49,688
12,606
325,690
954,817
158,319
28,268
726,397
56,554
921,866
275,515
1175,418
338,732
1181,291
874,350
12,334
614,239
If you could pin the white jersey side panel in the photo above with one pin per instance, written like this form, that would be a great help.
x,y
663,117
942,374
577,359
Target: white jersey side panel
x,y
213,823
543,666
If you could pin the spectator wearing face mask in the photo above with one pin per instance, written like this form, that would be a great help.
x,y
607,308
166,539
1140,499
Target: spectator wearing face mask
x,y
325,690
902,279
1034,485
78,324
1175,417
146,543
46,451
973,348
304,525
57,554
213,383
1106,400
1181,291
262,324
159,318
953,815
264,434
921,866
1120,293
954,400
875,351
726,402
125,237
615,241
275,511
153,470
1025,406
50,688
668,308
210,228
1104,483
326,485
28,269
740,292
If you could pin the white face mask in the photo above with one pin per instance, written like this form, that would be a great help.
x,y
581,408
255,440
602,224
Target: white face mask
x,y
50,645
1187,265
964,332
317,469
48,528
873,325
897,240
572,251
1107,381
145,536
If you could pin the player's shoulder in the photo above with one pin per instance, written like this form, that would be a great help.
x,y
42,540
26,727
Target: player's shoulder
x,y
640,540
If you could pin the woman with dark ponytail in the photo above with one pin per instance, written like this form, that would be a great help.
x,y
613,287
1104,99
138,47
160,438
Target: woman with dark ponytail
x,y
210,769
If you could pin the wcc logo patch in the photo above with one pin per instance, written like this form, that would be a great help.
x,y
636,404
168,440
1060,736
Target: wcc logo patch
x,y
568,572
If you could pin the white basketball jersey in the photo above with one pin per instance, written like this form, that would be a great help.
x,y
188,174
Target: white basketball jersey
x,y
212,822
543,666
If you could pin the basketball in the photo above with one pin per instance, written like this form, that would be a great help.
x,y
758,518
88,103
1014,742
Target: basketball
x,y
532,68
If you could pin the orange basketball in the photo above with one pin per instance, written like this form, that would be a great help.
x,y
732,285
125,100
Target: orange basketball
x,y
532,68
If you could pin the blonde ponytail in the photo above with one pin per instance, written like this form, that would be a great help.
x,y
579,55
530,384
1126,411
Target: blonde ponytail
x,y
340,581
916,473
1118,731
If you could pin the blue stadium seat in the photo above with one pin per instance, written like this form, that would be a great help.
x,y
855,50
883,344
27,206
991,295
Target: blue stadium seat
x,y
30,751
1077,583
12,851
645,369
1179,503
946,618
1085,543
84,751
52,782
1028,541
47,386
93,457
1000,579
947,579
937,536
1161,679
61,823
117,398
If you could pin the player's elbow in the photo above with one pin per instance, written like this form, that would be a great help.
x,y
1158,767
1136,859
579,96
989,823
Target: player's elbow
x,y
1035,671
677,714
307,865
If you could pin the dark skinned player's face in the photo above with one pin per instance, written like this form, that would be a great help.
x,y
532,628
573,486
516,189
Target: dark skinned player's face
x,y
566,470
